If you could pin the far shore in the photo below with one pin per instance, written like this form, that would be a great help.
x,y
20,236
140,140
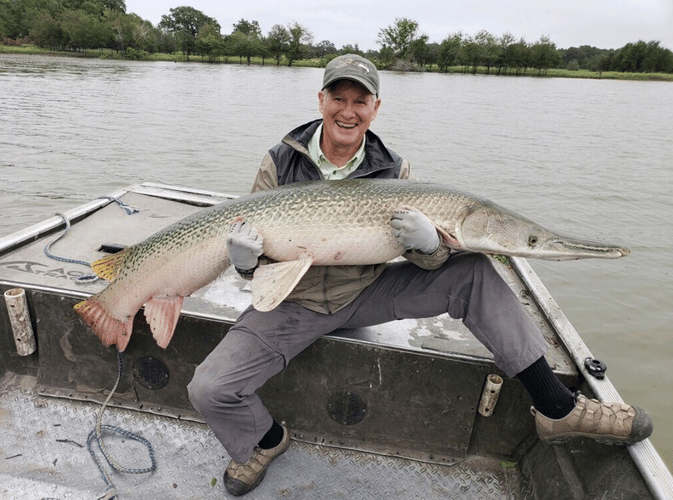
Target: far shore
x,y
320,63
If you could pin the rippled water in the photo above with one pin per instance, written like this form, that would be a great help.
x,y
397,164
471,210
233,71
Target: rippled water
x,y
592,158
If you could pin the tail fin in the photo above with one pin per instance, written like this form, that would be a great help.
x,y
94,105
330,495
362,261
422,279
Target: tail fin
x,y
108,329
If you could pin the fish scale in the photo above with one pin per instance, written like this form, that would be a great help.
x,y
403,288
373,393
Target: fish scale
x,y
344,222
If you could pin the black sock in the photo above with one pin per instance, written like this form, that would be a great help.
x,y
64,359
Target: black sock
x,y
273,437
550,397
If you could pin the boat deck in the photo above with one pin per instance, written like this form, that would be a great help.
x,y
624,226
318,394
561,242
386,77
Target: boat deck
x,y
44,455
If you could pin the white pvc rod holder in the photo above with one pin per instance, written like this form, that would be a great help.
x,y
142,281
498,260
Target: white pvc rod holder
x,y
489,396
19,317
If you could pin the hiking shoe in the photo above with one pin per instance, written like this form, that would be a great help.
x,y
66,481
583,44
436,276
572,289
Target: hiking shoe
x,y
240,479
607,423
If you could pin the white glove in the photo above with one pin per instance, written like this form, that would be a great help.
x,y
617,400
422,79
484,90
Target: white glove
x,y
244,246
414,231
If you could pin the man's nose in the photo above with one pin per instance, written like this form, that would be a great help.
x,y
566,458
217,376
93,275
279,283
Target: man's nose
x,y
348,109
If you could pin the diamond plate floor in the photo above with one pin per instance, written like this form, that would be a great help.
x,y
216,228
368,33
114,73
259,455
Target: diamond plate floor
x,y
43,454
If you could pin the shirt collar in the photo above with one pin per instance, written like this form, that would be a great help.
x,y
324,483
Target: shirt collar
x,y
321,160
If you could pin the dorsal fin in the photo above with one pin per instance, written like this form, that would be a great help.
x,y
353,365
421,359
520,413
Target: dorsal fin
x,y
108,267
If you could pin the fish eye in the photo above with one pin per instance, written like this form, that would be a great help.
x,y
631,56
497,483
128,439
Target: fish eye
x,y
532,240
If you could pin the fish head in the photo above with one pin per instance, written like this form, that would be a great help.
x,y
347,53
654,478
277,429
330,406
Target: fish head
x,y
490,229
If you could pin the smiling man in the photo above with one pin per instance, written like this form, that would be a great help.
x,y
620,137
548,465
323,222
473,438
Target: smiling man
x,y
432,281
348,109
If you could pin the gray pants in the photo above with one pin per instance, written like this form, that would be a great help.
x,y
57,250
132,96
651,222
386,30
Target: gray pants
x,y
260,344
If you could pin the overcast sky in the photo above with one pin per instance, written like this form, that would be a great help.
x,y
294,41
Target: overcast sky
x,y
604,24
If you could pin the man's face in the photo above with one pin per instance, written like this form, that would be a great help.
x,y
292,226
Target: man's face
x,y
347,112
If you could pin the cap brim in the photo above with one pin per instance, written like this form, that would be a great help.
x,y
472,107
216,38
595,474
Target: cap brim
x,y
366,84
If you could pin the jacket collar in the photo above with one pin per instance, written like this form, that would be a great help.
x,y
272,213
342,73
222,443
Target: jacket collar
x,y
377,157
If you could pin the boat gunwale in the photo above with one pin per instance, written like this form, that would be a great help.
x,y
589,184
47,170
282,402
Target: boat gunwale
x,y
656,474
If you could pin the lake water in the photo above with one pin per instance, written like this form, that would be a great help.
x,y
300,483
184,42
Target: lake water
x,y
591,158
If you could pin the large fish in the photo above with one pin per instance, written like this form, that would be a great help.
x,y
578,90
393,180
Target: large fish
x,y
304,224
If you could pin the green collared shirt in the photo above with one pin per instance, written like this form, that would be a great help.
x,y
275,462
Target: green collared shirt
x,y
327,169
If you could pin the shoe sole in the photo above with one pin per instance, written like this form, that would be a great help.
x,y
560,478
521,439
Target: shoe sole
x,y
606,440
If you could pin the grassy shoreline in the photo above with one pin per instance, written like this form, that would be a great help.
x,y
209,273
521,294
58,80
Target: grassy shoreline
x,y
318,63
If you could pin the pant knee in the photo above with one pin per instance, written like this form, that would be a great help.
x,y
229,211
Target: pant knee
x,y
483,273
473,289
198,392
206,394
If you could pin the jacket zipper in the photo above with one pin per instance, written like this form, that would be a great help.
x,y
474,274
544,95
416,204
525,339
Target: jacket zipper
x,y
324,291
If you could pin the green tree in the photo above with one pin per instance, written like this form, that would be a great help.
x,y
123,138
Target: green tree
x,y
248,28
121,31
506,57
277,42
48,32
630,57
93,6
448,51
13,19
399,36
350,49
246,40
544,55
657,59
419,52
167,43
469,54
432,56
145,36
82,29
387,57
299,35
209,42
604,62
488,49
522,56
184,23
325,48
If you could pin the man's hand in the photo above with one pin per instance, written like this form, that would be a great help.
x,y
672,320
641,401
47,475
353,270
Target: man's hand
x,y
414,231
244,246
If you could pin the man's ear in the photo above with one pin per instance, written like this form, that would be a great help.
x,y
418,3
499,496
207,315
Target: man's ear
x,y
377,103
321,101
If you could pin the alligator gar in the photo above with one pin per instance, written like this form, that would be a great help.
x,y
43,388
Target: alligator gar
x,y
315,223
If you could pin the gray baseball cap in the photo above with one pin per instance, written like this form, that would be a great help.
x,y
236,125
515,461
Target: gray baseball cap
x,y
352,67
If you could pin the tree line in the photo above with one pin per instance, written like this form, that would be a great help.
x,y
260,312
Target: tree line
x,y
82,25
403,45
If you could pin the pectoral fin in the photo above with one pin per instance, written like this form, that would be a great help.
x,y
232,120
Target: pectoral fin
x,y
447,238
162,315
272,283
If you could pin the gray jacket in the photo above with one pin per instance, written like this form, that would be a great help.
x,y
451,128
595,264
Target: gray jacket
x,y
327,289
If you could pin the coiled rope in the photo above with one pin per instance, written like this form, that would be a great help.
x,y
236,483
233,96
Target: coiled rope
x,y
88,278
96,437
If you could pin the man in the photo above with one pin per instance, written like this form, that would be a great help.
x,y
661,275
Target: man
x,y
431,282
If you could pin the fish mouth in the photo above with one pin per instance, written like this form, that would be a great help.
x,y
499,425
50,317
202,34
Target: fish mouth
x,y
573,249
